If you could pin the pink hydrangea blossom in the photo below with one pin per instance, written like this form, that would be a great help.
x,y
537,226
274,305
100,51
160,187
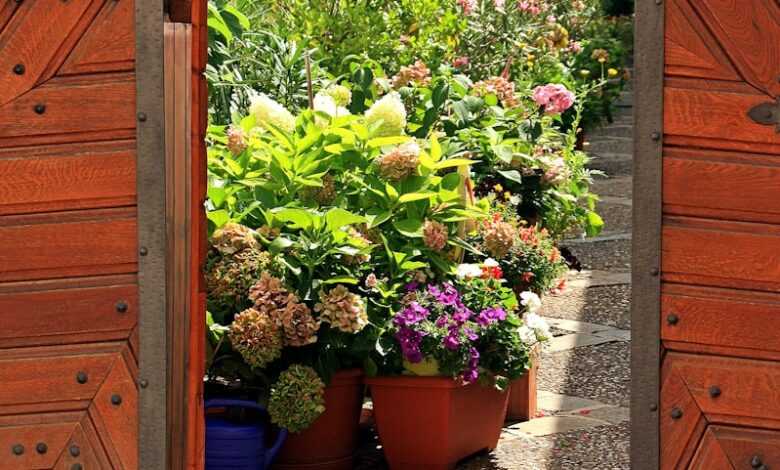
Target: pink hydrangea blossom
x,y
553,98
460,62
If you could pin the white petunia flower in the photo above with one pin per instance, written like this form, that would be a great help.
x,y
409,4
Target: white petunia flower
x,y
490,263
468,271
530,301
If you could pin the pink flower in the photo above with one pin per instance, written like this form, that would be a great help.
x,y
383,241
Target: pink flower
x,y
553,98
551,19
575,47
530,6
468,6
499,4
460,62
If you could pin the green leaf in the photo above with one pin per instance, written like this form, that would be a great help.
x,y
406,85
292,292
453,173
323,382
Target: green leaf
x,y
377,219
512,175
279,244
491,99
337,218
217,195
300,218
411,197
219,218
594,224
392,193
341,280
451,181
435,149
385,141
453,162
409,227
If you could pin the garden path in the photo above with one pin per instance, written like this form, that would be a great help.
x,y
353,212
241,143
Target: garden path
x,y
584,377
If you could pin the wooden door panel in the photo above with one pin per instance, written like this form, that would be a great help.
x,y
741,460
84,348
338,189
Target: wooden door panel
x,y
727,185
743,446
721,317
80,244
719,116
32,39
65,177
748,32
109,43
710,455
690,50
719,253
68,312
71,106
51,430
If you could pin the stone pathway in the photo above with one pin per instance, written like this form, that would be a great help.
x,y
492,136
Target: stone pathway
x,y
584,378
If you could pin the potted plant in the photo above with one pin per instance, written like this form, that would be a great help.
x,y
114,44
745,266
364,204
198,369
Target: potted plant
x,y
457,345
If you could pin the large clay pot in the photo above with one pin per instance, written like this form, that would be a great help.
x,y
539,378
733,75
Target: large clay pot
x,y
330,442
431,423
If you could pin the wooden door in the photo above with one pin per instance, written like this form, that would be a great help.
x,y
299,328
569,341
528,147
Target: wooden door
x,y
82,235
707,246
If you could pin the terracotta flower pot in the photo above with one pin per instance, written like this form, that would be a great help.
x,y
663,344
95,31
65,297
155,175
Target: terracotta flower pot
x,y
433,422
330,442
522,396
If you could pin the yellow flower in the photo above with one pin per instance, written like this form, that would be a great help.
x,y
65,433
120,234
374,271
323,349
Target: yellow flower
x,y
507,195
531,57
584,73
612,73
498,188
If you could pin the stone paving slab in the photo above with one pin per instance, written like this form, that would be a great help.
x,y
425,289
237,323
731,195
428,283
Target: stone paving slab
x,y
616,215
588,278
613,186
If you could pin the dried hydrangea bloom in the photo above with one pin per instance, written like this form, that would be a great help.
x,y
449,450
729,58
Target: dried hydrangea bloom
x,y
257,337
229,277
297,398
556,171
232,238
341,308
298,325
435,235
325,194
267,111
498,236
418,74
270,295
401,162
600,55
558,37
499,86
340,94
392,114
236,140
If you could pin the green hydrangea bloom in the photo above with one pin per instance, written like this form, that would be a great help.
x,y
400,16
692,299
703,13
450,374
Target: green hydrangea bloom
x,y
392,114
340,94
297,398
267,111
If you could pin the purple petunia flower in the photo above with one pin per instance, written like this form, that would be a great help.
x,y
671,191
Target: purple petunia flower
x,y
491,315
410,344
411,315
412,286
446,296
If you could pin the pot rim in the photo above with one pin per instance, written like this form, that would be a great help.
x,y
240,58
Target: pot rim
x,y
416,381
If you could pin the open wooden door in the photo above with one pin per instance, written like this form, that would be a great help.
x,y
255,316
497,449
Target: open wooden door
x,y
82,235
706,273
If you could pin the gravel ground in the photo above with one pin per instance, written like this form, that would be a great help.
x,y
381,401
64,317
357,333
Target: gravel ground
x,y
617,217
615,187
601,447
612,166
607,305
610,255
601,372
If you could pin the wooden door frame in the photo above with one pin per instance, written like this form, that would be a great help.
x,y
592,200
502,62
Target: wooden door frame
x,y
152,239
646,240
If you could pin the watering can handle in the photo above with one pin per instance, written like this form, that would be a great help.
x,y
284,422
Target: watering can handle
x,y
231,403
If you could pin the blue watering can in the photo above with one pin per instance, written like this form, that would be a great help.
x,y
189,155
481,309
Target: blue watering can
x,y
238,446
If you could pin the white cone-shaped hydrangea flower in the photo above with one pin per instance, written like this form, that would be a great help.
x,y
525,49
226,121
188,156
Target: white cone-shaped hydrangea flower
x,y
391,112
267,111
